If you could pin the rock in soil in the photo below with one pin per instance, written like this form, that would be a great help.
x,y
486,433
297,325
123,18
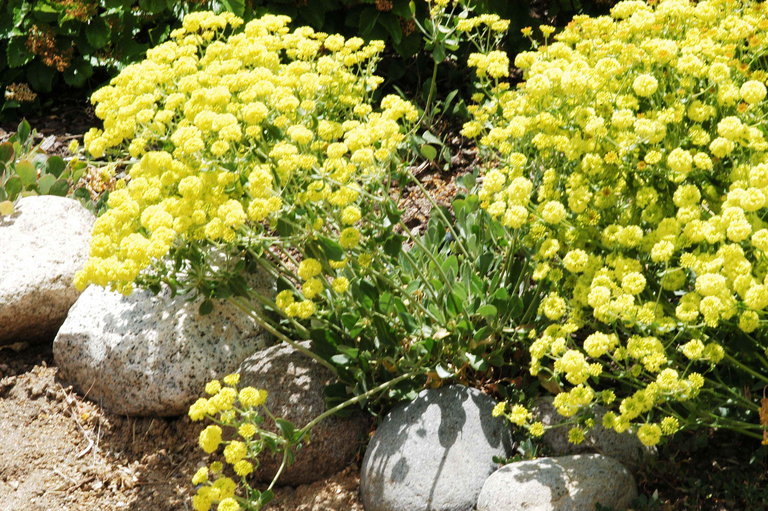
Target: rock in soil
x,y
296,385
568,483
44,243
434,453
146,355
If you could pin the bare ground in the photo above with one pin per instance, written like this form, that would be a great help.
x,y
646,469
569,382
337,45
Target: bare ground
x,y
61,452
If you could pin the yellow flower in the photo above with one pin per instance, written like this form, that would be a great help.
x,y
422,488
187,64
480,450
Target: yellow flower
x,y
246,430
649,434
235,451
645,85
309,268
232,379
753,91
252,397
228,504
340,285
243,468
210,439
198,410
212,387
536,429
576,435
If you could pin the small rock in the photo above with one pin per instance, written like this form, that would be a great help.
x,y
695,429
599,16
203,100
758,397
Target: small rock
x,y
624,447
150,355
433,453
296,385
568,483
44,243
37,389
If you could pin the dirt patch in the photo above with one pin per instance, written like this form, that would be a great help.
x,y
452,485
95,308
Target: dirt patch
x,y
61,452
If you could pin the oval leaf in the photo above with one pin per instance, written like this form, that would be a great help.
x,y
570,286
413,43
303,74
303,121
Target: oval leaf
x,y
26,172
428,151
6,152
97,32
13,187
488,310
59,188
56,165
45,183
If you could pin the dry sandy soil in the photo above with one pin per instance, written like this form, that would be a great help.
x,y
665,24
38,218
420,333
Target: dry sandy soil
x,y
61,452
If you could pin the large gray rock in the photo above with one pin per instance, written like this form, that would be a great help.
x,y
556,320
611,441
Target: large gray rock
x,y
43,244
150,355
569,483
433,453
295,385
624,447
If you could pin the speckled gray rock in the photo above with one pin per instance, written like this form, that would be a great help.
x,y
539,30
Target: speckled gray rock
x,y
568,483
43,244
296,385
624,447
150,355
433,453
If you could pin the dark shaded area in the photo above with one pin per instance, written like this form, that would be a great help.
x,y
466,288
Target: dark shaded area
x,y
706,471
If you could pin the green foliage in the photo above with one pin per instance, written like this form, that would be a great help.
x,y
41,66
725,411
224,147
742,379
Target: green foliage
x,y
56,43
79,43
454,306
25,169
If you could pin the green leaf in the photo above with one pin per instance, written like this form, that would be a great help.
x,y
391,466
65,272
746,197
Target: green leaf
x,y
156,6
393,245
402,9
428,151
331,249
26,172
23,131
40,76
501,294
13,187
488,310
17,52
368,18
438,54
76,74
6,152
234,6
60,188
159,33
314,13
56,165
476,362
287,429
205,308
82,194
45,183
97,32
392,24
451,266
430,138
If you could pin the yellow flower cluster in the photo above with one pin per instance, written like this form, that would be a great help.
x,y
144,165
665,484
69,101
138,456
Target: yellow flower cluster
x,y
239,454
633,163
233,127
519,415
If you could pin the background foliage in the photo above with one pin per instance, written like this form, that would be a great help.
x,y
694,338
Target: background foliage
x,y
54,46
